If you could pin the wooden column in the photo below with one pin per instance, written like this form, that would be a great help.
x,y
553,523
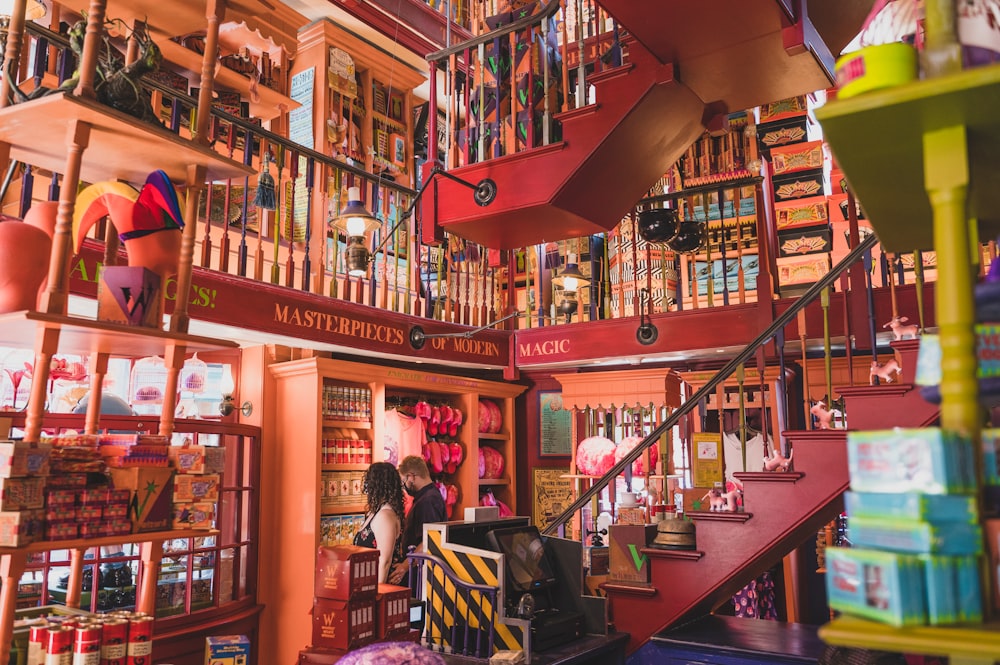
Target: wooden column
x,y
11,568
98,369
195,183
12,54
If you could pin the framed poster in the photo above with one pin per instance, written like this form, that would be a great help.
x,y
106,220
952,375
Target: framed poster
x,y
707,459
551,494
555,425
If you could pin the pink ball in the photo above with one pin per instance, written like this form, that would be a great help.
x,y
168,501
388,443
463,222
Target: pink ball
x,y
595,455
625,447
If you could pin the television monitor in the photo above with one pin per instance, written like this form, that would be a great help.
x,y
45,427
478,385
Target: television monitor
x,y
528,566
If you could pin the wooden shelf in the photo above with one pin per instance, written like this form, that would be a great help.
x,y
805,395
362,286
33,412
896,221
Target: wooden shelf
x,y
488,436
979,644
347,424
178,18
483,482
343,510
881,132
344,467
86,543
388,122
85,336
126,148
265,109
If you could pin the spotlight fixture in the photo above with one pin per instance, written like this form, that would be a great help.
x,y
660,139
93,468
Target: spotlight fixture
x,y
658,225
646,333
357,222
569,280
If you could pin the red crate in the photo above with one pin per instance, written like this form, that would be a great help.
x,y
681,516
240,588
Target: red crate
x,y
343,624
346,572
392,615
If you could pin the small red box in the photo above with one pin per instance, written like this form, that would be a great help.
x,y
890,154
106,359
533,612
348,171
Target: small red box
x,y
346,572
315,656
392,615
343,624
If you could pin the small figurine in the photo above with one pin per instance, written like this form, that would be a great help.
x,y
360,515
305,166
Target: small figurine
x,y
899,330
715,499
824,416
885,371
777,461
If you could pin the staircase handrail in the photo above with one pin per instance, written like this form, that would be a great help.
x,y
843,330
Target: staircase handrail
x,y
547,11
783,319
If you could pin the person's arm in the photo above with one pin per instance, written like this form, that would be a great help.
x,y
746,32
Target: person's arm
x,y
385,526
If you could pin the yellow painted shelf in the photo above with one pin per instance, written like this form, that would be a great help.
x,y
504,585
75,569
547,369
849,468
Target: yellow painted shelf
x,y
124,148
978,644
877,138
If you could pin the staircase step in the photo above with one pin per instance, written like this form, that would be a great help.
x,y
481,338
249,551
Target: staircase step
x,y
610,73
629,589
682,555
718,516
768,476
885,406
726,639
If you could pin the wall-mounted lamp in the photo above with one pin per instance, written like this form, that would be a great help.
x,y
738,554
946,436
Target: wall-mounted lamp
x,y
228,405
33,10
570,280
646,333
357,222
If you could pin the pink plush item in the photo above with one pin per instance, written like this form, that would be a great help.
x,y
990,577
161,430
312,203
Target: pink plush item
x,y
595,455
425,450
497,422
625,447
493,462
435,420
436,464
451,499
456,422
485,417
445,420
445,454
482,465
441,488
422,410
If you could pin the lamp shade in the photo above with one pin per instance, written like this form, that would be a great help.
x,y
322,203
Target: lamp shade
x,y
571,278
658,225
354,218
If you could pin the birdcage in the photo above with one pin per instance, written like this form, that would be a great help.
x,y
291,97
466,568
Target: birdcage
x,y
194,373
148,382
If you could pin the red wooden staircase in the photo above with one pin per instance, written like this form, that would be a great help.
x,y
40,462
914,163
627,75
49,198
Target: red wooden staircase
x,y
782,510
688,65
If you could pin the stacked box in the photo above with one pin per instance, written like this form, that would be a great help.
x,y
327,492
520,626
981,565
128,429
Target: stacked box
x,y
345,592
915,520
392,611
23,470
196,485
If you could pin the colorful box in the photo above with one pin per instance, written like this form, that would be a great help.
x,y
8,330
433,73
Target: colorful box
x,y
189,487
924,460
22,493
802,269
798,185
807,156
346,572
800,212
627,565
781,132
804,240
194,515
392,611
227,650
21,458
915,536
151,492
187,459
883,586
913,506
21,527
343,624
131,296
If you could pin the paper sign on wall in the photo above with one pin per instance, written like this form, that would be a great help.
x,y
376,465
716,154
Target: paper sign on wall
x,y
706,465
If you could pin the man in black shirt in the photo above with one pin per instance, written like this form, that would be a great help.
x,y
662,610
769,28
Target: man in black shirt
x,y
428,506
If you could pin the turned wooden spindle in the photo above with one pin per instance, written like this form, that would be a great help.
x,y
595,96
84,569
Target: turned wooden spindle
x,y
92,42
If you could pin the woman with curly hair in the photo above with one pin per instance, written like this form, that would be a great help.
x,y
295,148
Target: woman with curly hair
x,y
382,529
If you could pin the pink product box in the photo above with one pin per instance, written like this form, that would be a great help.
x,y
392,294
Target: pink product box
x,y
189,487
61,531
60,514
119,497
118,527
61,498
94,497
215,459
20,458
22,493
68,481
115,510
93,530
89,513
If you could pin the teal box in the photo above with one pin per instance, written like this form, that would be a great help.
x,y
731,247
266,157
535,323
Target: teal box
x,y
913,506
969,590
991,441
882,586
227,650
925,460
915,536
941,574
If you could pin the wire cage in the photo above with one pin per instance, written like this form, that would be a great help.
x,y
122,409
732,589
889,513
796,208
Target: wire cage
x,y
148,382
194,375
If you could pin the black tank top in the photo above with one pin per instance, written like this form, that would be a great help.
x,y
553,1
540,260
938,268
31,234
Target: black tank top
x,y
366,538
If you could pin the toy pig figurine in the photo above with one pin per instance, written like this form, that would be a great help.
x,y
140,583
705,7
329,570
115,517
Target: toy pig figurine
x,y
885,371
899,330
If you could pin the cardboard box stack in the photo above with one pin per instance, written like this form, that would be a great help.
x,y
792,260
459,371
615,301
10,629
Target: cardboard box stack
x,y
913,517
138,465
197,484
23,468
350,608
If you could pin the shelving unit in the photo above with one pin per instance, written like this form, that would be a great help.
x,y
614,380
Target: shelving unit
x,y
293,469
938,138
55,133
